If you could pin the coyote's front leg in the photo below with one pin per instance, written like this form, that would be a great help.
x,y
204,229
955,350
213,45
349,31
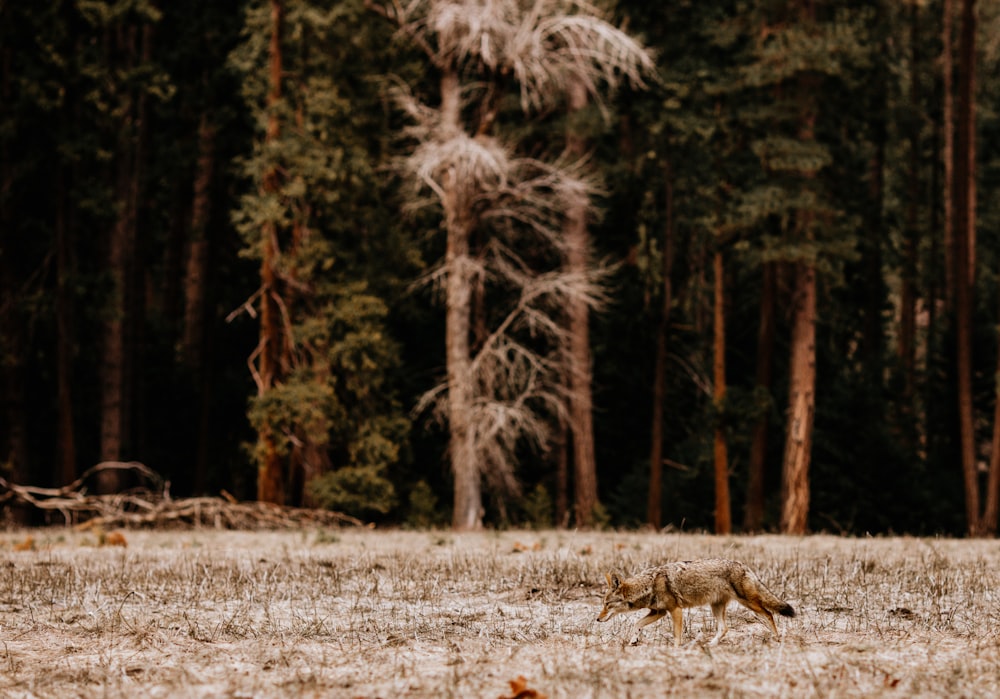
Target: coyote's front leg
x,y
654,615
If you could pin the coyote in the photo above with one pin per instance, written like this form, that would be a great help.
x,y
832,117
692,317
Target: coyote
x,y
675,586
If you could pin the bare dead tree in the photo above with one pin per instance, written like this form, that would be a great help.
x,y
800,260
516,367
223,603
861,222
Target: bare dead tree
x,y
501,394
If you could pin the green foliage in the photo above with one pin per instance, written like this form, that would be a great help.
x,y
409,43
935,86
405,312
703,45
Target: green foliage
x,y
600,517
423,511
336,395
722,126
360,491
537,508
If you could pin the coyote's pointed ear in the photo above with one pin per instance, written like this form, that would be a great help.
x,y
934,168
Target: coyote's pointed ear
x,y
614,580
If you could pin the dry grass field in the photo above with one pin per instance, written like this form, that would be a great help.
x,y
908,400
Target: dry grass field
x,y
354,613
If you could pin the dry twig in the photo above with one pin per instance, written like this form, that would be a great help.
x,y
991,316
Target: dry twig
x,y
152,506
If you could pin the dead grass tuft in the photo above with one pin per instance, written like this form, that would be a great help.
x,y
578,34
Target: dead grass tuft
x,y
379,614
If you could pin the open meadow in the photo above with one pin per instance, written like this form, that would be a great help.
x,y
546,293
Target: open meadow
x,y
361,613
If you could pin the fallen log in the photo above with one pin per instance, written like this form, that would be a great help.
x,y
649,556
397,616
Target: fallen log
x,y
151,506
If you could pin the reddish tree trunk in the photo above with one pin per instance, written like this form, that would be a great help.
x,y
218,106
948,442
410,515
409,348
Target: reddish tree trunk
x,y
963,222
963,209
271,476
802,363
801,404
723,518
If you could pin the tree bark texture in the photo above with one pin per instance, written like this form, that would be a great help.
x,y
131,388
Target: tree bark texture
x,y
802,362
801,404
723,515
468,497
963,209
271,476
654,515
468,504
577,241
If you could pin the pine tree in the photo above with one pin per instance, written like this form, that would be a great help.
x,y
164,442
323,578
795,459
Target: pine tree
x,y
329,426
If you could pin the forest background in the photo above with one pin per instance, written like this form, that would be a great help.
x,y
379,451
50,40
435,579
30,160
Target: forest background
x,y
727,266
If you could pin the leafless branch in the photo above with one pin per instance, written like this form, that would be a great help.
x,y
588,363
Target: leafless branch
x,y
518,373
542,44
152,506
245,307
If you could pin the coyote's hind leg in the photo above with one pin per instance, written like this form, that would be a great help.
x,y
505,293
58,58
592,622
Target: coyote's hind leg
x,y
719,611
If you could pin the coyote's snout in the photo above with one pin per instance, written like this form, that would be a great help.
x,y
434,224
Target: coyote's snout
x,y
676,586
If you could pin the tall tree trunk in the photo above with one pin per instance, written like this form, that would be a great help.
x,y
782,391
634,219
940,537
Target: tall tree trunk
x,y
928,431
196,268
963,208
964,222
967,91
906,349
468,497
577,241
802,364
136,289
801,404
117,370
65,471
115,403
468,503
653,511
753,515
175,266
271,476
723,516
194,349
948,150
873,334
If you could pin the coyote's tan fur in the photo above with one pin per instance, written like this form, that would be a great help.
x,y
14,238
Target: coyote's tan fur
x,y
675,586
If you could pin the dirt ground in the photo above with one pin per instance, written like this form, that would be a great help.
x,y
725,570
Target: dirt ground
x,y
357,613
